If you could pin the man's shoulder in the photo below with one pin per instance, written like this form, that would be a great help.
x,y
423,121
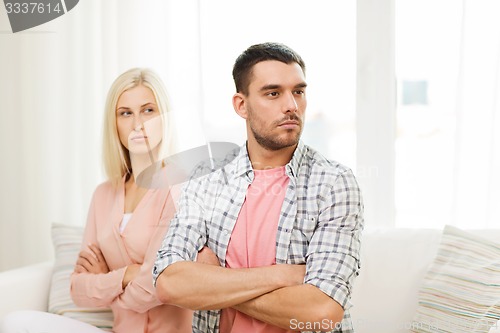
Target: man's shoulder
x,y
316,163
216,167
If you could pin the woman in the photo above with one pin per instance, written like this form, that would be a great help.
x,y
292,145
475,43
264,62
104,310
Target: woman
x,y
126,223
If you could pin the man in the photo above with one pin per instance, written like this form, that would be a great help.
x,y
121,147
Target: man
x,y
283,222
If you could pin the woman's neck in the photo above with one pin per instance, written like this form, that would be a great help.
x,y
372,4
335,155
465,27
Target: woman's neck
x,y
141,162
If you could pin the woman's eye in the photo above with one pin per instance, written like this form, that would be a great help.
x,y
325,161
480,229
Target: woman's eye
x,y
125,113
149,110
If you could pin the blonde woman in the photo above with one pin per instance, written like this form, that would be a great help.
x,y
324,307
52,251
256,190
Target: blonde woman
x,y
126,223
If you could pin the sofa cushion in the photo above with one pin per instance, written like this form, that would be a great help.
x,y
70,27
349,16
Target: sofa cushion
x,y
393,264
460,291
67,243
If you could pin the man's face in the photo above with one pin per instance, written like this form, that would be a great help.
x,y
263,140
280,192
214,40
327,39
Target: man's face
x,y
276,104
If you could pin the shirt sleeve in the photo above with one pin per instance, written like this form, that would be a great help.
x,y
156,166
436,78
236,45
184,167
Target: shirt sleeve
x,y
333,253
187,232
140,295
95,290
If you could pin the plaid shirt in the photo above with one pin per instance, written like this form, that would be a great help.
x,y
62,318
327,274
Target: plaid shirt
x,y
320,223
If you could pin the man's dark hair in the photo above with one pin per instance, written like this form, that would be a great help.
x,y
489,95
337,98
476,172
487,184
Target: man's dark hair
x,y
242,69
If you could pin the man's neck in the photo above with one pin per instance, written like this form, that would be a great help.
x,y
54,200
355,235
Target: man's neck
x,y
262,158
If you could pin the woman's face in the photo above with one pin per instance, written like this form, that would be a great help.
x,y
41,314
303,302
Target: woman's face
x,y
138,121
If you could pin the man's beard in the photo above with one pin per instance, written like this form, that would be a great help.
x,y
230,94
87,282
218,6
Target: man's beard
x,y
272,143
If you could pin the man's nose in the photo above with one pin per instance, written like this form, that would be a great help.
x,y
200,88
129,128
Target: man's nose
x,y
290,103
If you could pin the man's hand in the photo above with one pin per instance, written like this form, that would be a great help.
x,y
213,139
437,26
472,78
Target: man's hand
x,y
91,261
207,256
293,274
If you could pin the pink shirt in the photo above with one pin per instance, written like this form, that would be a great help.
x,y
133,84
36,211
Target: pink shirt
x,y
135,308
253,241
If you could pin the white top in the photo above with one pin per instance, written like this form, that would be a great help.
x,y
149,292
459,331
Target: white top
x,y
126,218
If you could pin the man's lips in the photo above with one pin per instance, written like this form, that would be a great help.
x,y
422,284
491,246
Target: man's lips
x,y
289,124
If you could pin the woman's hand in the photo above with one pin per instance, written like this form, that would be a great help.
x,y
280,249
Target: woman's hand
x,y
91,261
130,274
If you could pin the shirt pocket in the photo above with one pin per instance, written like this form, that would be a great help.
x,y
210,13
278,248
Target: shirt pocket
x,y
218,232
301,235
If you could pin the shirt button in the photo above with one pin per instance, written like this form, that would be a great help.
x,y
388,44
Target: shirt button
x,y
249,176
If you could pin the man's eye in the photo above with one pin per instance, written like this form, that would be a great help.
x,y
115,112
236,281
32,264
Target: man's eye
x,y
299,92
273,94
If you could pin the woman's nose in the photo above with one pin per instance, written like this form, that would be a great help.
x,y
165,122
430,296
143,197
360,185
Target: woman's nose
x,y
137,123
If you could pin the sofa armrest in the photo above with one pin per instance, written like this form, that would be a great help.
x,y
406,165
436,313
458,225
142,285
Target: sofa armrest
x,y
25,288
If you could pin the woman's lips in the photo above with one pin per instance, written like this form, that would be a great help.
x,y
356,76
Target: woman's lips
x,y
139,138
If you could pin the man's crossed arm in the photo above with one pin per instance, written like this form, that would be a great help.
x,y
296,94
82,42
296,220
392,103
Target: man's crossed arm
x,y
273,294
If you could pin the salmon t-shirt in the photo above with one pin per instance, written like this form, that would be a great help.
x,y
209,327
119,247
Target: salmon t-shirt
x,y
253,241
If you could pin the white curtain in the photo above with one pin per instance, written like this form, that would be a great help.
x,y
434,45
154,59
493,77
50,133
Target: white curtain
x,y
54,80
477,153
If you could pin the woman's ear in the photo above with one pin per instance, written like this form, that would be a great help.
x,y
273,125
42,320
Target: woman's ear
x,y
239,105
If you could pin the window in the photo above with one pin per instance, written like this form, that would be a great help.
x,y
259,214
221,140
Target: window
x,y
427,47
447,147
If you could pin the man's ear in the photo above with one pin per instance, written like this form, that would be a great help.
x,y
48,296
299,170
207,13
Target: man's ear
x,y
239,105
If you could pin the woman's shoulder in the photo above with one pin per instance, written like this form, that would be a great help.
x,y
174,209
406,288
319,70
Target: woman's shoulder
x,y
106,188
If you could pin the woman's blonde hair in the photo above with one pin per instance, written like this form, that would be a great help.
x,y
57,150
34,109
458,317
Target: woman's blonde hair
x,y
115,156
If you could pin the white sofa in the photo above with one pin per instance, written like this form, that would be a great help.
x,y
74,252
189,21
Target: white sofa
x,y
394,262
25,288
